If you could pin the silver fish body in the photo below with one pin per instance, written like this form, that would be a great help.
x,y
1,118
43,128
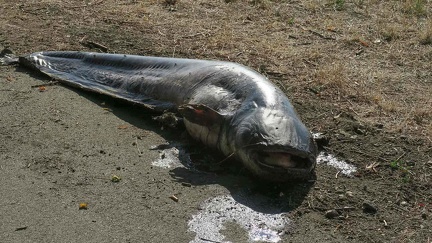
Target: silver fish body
x,y
225,105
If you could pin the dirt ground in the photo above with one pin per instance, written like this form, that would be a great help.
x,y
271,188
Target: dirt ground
x,y
357,71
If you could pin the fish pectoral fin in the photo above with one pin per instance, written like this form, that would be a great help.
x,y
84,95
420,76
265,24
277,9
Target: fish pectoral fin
x,y
201,114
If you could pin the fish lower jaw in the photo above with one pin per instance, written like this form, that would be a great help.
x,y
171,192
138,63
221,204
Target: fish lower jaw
x,y
282,160
278,174
279,166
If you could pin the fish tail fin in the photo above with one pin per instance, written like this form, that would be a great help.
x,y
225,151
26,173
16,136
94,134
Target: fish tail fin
x,y
7,57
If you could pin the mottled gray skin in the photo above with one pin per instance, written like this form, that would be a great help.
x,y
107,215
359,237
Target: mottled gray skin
x,y
225,105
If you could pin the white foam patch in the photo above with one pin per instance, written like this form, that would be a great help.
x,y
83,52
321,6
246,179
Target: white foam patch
x,y
329,159
168,158
172,157
261,218
316,135
263,227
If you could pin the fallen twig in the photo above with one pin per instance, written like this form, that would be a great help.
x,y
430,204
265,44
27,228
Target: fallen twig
x,y
204,239
85,5
345,208
21,228
204,34
400,157
321,35
318,34
50,83
174,198
92,44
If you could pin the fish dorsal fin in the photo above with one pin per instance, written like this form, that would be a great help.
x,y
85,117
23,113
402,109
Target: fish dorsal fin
x,y
201,114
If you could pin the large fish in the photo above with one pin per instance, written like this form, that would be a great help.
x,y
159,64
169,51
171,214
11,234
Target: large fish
x,y
224,105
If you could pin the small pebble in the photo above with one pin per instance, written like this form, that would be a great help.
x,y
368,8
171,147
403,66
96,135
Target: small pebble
x,y
186,184
330,214
369,208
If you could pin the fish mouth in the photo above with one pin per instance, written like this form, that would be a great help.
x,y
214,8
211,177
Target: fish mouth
x,y
283,160
277,165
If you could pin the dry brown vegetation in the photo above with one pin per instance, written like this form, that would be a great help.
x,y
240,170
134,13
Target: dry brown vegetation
x,y
359,71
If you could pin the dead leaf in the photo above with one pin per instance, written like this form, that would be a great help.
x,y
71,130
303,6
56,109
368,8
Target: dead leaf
x,y
363,43
83,206
331,28
115,178
122,126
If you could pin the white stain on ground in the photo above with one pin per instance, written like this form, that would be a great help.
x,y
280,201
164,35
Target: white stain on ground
x,y
168,158
259,216
171,157
331,160
263,223
260,226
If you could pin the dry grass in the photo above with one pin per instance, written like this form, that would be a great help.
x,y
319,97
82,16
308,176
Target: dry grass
x,y
390,32
390,84
418,8
426,35
383,47
332,75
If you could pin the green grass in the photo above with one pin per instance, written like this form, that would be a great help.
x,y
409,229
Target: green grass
x,y
416,7
401,166
339,4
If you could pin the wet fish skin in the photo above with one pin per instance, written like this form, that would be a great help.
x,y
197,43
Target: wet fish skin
x,y
225,105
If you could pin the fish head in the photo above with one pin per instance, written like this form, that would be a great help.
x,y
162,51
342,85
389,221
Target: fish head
x,y
275,145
